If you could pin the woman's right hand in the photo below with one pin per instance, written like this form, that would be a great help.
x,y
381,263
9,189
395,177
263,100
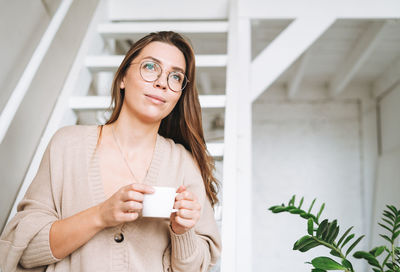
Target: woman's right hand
x,y
124,205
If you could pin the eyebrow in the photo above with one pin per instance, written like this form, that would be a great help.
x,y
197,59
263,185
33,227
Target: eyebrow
x,y
175,68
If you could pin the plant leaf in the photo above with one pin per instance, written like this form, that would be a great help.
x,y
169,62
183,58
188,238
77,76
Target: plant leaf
x,y
327,264
335,234
291,202
344,235
351,236
385,227
335,253
324,234
387,221
302,241
296,211
331,231
317,270
389,215
309,246
301,202
320,211
393,209
277,209
386,238
305,215
354,244
367,256
310,226
377,251
322,227
312,205
395,235
347,264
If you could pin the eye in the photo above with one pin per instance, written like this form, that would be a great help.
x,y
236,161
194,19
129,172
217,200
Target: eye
x,y
149,66
177,77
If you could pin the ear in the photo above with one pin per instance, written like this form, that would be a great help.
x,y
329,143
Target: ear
x,y
122,84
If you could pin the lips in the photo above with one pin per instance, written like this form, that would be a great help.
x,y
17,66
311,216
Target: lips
x,y
159,98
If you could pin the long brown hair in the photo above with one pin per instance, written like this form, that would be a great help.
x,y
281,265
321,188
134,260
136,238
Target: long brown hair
x,y
184,124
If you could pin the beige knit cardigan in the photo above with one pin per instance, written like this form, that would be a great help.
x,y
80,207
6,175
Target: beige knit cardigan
x,y
68,181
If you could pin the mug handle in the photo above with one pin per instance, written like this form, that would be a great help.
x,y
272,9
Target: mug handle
x,y
174,210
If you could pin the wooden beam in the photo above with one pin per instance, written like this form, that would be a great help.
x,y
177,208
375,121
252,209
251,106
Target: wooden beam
x,y
356,58
294,83
284,50
389,79
341,9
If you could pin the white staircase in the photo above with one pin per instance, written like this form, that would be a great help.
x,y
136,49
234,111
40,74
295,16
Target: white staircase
x,y
109,63
100,54
112,31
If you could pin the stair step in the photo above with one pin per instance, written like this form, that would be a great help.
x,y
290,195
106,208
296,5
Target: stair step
x,y
111,63
125,30
216,149
81,103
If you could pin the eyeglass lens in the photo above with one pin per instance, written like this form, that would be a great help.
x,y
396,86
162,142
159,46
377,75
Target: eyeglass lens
x,y
151,71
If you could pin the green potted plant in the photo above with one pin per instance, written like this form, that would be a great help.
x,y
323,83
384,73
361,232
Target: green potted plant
x,y
385,258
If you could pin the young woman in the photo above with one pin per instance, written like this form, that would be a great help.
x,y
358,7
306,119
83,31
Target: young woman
x,y
82,210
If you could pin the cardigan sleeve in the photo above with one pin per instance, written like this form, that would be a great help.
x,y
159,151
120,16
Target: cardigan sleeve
x,y
199,248
24,242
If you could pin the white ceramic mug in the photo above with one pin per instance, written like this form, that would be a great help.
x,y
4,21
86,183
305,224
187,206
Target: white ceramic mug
x,y
160,203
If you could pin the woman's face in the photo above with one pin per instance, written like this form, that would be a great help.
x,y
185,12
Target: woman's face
x,y
152,101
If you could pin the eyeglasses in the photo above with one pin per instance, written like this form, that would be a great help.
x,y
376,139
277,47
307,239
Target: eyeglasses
x,y
150,71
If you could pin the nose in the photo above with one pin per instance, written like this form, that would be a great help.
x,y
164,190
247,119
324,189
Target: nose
x,y
161,82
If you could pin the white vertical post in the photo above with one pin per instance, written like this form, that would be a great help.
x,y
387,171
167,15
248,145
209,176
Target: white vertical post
x,y
237,189
243,162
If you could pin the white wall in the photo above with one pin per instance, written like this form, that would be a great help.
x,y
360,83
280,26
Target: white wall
x,y
310,147
24,134
369,137
22,24
387,186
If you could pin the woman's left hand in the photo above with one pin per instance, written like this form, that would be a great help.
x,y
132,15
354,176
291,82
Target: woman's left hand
x,y
189,210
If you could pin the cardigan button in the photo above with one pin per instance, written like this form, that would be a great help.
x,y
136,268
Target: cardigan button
x,y
119,237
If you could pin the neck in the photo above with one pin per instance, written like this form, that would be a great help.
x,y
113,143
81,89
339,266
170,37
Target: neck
x,y
133,135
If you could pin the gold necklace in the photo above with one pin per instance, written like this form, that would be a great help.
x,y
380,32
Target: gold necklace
x,y
119,237
122,154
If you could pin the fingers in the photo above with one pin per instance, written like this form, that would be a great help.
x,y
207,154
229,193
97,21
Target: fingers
x,y
188,214
127,217
187,204
139,187
130,206
186,223
132,196
186,195
181,189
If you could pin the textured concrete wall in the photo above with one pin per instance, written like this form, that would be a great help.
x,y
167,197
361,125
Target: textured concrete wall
x,y
310,147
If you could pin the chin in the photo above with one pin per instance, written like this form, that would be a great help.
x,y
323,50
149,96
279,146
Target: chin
x,y
152,118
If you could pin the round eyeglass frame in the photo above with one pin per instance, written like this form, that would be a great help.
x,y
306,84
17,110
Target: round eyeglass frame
x,y
185,80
